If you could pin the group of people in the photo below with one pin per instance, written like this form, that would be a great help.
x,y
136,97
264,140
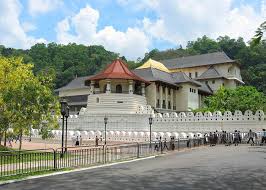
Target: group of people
x,y
233,138
77,141
161,145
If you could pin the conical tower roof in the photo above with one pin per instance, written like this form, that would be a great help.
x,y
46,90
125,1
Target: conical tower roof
x,y
116,70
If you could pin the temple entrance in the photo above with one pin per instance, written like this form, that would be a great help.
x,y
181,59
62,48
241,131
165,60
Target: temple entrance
x,y
118,88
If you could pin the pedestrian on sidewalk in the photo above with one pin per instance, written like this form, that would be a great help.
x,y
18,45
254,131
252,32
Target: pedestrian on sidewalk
x,y
239,136
251,136
188,142
215,138
165,144
211,139
223,138
236,138
77,141
156,147
96,141
173,143
80,140
263,138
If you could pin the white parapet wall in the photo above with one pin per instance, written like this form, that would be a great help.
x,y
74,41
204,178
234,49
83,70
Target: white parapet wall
x,y
135,127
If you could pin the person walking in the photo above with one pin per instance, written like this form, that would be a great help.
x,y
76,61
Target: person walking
x,y
263,138
211,139
251,136
215,138
80,140
236,138
156,147
223,138
96,141
239,136
173,143
77,141
165,144
188,142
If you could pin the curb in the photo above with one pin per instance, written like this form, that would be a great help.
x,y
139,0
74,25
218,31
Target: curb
x,y
74,170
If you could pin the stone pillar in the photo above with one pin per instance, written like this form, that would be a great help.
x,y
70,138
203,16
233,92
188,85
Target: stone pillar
x,y
143,89
92,87
155,95
161,96
130,87
166,97
172,99
108,86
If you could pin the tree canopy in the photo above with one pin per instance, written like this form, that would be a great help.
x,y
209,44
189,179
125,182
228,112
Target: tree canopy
x,y
26,100
242,98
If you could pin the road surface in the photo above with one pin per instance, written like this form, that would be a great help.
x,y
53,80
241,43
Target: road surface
x,y
220,167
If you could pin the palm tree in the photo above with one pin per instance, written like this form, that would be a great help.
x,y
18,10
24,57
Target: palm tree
x,y
260,32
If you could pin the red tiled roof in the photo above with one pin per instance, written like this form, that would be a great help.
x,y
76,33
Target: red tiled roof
x,y
116,70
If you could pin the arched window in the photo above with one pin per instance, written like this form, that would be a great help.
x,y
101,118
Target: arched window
x,y
104,88
118,88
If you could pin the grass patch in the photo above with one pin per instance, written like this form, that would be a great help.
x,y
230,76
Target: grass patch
x,y
4,148
25,175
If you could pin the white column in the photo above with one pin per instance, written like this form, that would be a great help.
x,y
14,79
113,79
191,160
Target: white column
x,y
143,89
130,87
161,96
166,97
172,99
92,87
108,86
155,95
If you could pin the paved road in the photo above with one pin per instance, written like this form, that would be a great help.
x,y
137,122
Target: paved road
x,y
219,167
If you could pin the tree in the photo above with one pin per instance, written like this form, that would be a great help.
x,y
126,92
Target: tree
x,y
242,98
260,32
203,45
27,99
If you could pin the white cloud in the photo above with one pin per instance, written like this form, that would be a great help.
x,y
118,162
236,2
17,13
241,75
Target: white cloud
x,y
12,33
43,6
27,26
180,21
132,43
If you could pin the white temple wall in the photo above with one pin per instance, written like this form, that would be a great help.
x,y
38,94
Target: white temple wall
x,y
173,122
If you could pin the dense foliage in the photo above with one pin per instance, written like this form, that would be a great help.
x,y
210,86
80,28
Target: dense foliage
x,y
65,62
242,98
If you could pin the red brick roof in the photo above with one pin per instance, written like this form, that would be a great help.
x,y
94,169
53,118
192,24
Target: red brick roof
x,y
116,70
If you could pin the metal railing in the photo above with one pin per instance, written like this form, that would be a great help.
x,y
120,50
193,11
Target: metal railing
x,y
23,162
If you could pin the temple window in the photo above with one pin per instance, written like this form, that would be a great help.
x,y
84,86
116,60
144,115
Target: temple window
x,y
104,88
118,88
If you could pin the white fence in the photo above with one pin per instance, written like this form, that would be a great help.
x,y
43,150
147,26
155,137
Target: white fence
x,y
135,127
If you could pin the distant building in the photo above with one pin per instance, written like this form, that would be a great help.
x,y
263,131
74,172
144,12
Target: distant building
x,y
172,85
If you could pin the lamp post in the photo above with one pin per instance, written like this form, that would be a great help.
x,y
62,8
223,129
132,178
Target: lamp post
x,y
105,123
150,122
63,103
66,116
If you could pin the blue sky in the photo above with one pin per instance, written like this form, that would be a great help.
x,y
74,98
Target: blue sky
x,y
129,27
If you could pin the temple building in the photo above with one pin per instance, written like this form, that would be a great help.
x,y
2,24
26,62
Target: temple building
x,y
173,85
